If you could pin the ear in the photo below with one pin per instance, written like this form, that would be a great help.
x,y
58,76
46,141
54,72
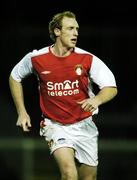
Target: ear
x,y
57,31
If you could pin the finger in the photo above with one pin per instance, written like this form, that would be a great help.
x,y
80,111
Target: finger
x,y
92,109
88,108
29,124
18,124
81,102
25,127
85,106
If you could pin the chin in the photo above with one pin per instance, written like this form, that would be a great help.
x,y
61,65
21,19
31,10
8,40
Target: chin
x,y
73,45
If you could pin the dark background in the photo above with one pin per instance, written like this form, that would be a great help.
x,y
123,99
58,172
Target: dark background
x,y
108,30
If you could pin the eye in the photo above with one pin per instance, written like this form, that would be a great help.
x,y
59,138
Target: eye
x,y
77,29
70,28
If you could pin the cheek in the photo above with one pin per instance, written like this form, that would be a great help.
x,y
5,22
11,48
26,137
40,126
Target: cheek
x,y
65,39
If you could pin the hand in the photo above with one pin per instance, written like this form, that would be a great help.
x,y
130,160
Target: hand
x,y
90,104
24,122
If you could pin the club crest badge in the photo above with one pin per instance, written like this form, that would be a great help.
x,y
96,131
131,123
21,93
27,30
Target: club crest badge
x,y
79,69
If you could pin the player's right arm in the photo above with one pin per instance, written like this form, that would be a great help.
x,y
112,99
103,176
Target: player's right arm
x,y
17,95
18,73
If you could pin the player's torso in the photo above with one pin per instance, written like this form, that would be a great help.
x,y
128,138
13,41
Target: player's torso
x,y
63,81
62,74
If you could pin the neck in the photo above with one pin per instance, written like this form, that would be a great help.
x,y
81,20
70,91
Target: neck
x,y
60,50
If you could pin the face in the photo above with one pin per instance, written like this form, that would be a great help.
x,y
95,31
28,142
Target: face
x,y
68,34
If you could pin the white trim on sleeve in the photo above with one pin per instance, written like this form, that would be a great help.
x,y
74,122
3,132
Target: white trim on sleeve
x,y
22,69
101,74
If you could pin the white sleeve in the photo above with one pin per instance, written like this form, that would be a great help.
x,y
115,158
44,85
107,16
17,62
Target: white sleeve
x,y
23,68
101,74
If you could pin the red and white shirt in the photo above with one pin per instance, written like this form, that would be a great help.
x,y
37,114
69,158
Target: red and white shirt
x,y
63,81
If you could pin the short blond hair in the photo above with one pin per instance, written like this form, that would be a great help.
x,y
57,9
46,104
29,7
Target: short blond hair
x,y
56,22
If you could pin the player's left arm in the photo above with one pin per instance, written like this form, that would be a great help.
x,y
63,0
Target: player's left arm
x,y
104,78
103,96
106,94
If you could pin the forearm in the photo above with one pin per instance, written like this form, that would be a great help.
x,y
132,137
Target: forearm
x,y
106,94
17,95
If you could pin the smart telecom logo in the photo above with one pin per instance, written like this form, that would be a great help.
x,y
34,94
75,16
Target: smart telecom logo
x,y
66,88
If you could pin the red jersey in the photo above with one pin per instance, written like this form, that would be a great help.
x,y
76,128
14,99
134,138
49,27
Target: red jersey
x,y
63,81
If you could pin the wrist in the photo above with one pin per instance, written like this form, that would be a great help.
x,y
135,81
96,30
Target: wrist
x,y
98,100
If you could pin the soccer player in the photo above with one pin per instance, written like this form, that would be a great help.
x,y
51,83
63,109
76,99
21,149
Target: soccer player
x,y
68,103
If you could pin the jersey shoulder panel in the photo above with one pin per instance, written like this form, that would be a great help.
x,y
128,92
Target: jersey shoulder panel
x,y
82,51
40,52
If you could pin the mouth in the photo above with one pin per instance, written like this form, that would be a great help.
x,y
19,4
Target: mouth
x,y
74,40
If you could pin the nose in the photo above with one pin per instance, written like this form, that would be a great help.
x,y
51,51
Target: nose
x,y
75,32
